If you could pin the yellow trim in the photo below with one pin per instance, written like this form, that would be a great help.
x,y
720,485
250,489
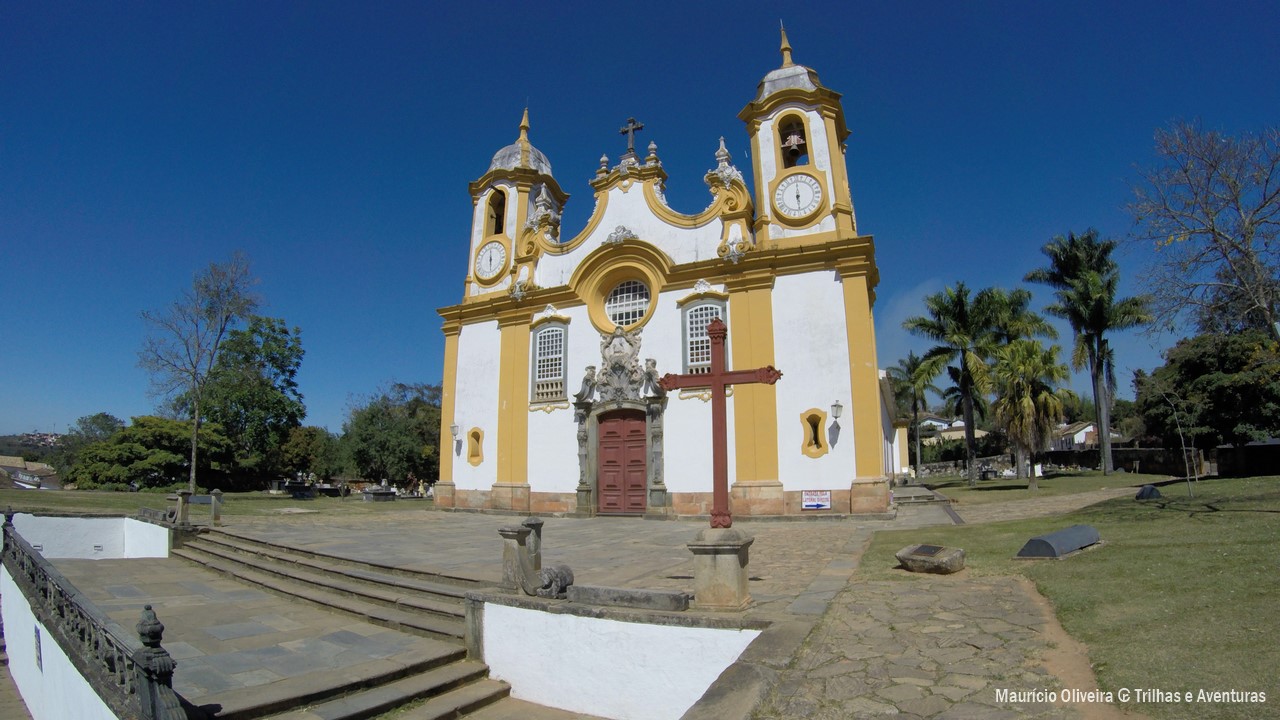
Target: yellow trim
x,y
807,445
497,277
820,251
776,131
448,402
864,376
550,247
731,201
513,400
814,217
606,266
755,406
475,446
843,201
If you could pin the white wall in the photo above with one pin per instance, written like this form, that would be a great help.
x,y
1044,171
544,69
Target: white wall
x,y
93,538
476,403
811,348
606,667
55,690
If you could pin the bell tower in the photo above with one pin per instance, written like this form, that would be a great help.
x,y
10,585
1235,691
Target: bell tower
x,y
518,187
797,129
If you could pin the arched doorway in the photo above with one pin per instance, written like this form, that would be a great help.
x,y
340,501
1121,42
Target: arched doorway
x,y
622,470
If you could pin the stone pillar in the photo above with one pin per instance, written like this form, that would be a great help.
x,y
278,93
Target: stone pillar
x,y
581,416
534,542
720,557
215,508
869,495
514,555
183,509
444,494
154,667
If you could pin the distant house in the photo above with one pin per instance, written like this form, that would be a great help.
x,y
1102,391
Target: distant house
x,y
1078,436
954,432
934,423
30,475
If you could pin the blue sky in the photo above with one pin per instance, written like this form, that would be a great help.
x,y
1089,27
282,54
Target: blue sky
x,y
333,143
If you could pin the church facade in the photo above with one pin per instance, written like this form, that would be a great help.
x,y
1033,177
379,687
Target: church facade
x,y
550,398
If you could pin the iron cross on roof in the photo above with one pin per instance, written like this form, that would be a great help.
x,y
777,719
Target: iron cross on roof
x,y
630,131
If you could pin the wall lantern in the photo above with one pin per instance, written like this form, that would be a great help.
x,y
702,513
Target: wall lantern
x,y
455,430
836,409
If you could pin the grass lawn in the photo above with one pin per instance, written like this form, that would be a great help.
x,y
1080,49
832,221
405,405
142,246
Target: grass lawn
x,y
1182,596
1005,489
247,503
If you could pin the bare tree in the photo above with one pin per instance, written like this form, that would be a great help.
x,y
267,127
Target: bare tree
x,y
1211,206
185,337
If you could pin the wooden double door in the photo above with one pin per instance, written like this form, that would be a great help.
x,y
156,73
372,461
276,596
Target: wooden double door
x,y
622,473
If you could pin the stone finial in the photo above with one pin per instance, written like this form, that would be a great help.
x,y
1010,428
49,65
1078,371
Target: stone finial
x,y
652,158
8,516
604,165
722,155
150,629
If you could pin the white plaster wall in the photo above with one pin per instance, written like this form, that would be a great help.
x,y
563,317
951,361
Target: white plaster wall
x,y
146,540
476,402
686,438
682,245
627,671
54,691
811,349
68,537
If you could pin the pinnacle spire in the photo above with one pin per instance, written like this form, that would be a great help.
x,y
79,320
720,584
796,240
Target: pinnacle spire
x,y
786,46
524,139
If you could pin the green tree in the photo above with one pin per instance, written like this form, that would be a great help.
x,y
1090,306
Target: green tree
x,y
149,453
186,338
84,432
1028,402
910,381
253,394
1226,387
1084,278
1211,209
312,450
967,331
396,435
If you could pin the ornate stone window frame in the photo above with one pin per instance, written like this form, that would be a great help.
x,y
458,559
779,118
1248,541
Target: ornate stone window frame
x,y
548,324
702,297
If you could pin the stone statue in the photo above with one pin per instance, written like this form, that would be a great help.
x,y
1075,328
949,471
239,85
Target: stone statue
x,y
588,388
620,377
555,580
651,387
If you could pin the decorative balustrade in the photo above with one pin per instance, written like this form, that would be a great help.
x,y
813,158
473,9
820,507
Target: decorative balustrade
x,y
133,677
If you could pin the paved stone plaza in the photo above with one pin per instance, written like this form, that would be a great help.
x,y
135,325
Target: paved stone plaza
x,y
936,647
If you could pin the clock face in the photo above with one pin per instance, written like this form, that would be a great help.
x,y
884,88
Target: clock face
x,y
490,260
798,195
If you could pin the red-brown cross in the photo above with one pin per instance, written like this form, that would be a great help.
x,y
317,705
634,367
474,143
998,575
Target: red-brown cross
x,y
717,380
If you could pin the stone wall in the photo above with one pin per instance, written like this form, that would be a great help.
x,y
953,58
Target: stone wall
x,y
999,463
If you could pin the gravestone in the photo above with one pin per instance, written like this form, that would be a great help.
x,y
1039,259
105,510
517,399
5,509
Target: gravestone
x,y
931,559
1061,543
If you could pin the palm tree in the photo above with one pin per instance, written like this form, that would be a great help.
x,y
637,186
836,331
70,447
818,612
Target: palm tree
x,y
1028,403
1084,278
967,332
907,375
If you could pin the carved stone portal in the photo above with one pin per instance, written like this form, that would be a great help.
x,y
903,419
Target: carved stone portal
x,y
620,383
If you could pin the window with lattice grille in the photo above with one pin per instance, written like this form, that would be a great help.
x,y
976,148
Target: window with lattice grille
x,y
627,303
548,364
697,344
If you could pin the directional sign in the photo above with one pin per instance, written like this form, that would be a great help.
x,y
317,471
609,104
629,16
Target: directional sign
x,y
815,500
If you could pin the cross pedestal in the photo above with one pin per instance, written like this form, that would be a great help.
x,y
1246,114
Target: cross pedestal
x,y
720,552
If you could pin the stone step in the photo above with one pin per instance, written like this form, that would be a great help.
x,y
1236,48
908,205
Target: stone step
x,y
430,658
369,586
415,621
385,572
460,702
453,690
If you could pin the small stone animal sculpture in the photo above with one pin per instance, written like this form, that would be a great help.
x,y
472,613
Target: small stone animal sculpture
x,y
555,580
